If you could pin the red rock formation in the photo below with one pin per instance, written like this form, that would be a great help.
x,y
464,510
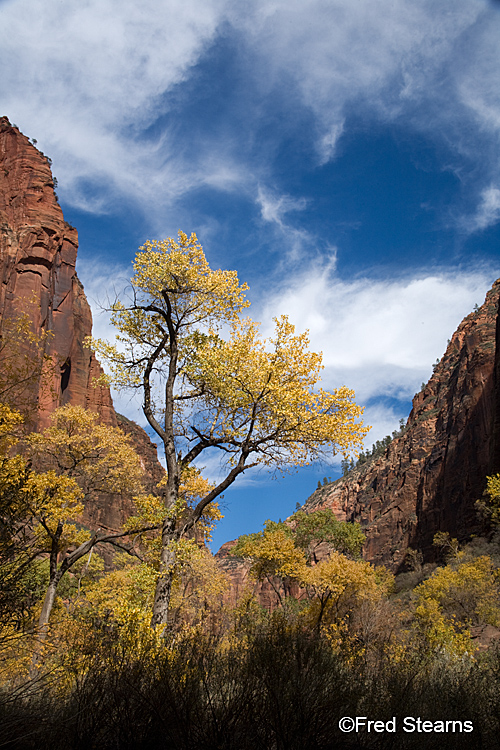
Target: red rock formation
x,y
37,262
37,275
429,478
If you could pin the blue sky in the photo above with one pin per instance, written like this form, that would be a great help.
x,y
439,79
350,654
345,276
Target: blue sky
x,y
341,155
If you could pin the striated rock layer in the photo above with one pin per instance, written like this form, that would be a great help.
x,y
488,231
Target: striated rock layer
x,y
429,478
38,277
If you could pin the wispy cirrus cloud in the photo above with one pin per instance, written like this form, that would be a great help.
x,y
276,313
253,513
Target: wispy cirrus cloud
x,y
275,207
88,79
422,68
96,84
487,213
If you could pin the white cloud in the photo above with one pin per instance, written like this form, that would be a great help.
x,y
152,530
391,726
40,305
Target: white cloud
x,y
86,80
477,75
328,143
89,79
488,211
379,337
274,207
385,56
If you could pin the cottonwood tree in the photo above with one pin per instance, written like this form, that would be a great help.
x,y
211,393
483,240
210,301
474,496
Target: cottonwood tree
x,y
310,530
275,558
254,401
284,554
82,458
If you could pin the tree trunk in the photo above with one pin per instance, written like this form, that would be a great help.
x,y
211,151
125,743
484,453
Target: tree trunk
x,y
48,603
43,623
164,585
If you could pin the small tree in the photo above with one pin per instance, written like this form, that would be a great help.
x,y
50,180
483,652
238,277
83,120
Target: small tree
x,y
284,554
321,527
254,401
489,505
85,458
455,598
275,557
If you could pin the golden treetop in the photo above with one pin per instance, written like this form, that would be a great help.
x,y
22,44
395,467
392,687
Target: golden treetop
x,y
264,392
179,270
99,457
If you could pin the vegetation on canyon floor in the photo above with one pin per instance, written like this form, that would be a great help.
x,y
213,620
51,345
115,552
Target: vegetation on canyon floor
x,y
344,638
353,642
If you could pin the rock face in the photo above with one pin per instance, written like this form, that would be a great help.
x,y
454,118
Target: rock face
x,y
37,266
429,478
38,277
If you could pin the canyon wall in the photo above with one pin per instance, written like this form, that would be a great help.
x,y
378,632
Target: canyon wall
x,y
429,478
38,250
37,276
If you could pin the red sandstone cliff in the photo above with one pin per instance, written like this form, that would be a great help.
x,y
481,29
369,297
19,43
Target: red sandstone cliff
x,y
429,478
37,262
37,276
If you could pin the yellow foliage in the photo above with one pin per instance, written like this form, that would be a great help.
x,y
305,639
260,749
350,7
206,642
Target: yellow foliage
x,y
490,505
274,554
151,509
10,421
111,622
150,512
16,654
196,296
440,632
193,485
123,595
181,269
54,501
81,457
199,586
340,587
341,576
100,458
466,594
272,385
